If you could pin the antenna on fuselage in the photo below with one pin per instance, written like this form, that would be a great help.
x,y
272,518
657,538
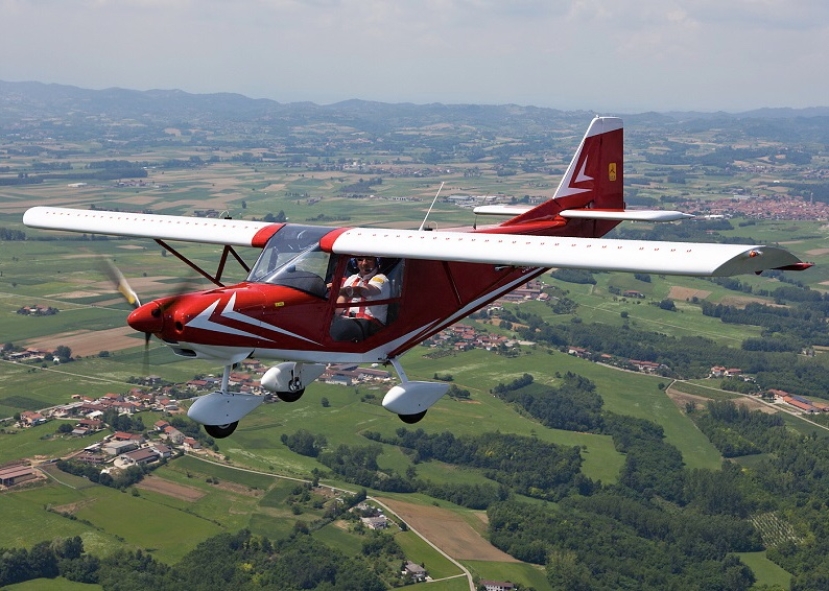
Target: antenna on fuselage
x,y
423,223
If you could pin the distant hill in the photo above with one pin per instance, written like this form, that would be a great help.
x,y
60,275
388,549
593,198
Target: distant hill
x,y
62,105
34,99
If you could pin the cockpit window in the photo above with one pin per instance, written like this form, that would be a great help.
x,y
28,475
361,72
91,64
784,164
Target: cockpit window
x,y
292,258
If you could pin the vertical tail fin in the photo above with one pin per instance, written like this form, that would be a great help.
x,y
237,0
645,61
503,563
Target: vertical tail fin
x,y
593,181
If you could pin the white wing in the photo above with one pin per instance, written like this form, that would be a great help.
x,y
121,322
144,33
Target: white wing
x,y
637,256
163,227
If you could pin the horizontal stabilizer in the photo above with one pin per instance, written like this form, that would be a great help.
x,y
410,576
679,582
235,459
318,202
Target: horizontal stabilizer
x,y
509,210
633,215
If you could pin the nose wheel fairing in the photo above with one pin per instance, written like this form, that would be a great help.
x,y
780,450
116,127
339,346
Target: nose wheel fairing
x,y
221,409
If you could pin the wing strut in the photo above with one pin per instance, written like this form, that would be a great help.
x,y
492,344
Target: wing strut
x,y
217,280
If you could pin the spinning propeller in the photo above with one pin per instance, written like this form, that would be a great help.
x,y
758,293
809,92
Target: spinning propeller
x,y
147,319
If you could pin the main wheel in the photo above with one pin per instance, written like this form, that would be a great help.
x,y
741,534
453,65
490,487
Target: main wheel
x,y
221,431
290,396
412,419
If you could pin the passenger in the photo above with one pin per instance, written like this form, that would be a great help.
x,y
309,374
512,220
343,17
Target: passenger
x,y
361,320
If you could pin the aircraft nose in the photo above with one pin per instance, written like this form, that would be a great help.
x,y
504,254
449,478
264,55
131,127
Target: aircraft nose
x,y
148,318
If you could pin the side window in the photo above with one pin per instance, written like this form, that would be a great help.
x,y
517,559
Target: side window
x,y
367,297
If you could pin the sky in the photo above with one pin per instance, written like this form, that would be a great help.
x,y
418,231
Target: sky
x,y
606,56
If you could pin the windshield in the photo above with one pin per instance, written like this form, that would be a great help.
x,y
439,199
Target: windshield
x,y
292,257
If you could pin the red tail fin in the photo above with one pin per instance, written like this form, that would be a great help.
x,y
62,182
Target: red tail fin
x,y
592,181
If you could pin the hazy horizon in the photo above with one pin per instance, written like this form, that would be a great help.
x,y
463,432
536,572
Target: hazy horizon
x,y
619,57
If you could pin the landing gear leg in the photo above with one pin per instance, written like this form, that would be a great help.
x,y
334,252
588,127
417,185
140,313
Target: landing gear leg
x,y
222,431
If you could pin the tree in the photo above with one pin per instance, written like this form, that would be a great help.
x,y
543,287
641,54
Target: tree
x,y
325,403
455,392
667,305
304,442
63,353
566,573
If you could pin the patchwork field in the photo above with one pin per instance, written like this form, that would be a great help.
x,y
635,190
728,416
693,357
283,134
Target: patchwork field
x,y
167,514
447,531
86,343
170,489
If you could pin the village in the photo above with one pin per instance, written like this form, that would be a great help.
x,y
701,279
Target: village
x,y
761,207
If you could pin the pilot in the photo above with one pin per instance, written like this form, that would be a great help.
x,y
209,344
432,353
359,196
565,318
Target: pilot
x,y
360,320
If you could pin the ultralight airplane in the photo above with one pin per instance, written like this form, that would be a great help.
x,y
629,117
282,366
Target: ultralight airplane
x,y
305,284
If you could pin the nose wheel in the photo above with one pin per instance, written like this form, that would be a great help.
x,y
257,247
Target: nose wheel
x,y
221,431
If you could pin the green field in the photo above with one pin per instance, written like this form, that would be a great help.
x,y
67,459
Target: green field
x,y
420,552
163,531
765,570
520,573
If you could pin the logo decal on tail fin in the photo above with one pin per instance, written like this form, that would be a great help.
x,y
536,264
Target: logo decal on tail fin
x,y
611,171
581,178
571,189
